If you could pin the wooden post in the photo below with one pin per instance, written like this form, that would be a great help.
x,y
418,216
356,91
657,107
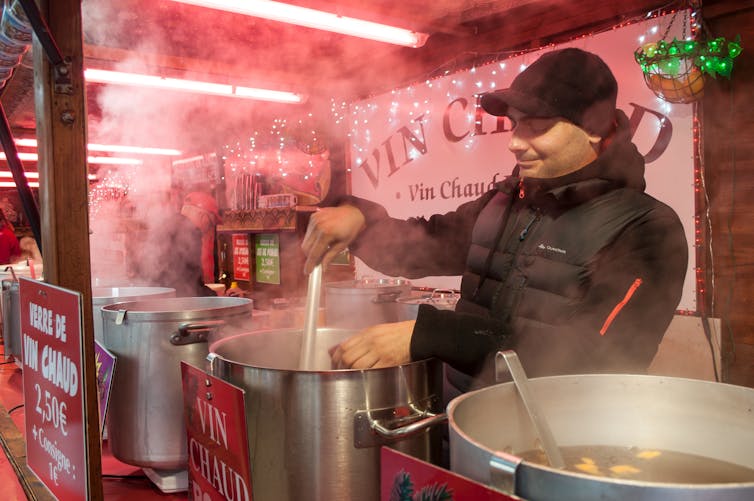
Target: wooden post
x,y
61,135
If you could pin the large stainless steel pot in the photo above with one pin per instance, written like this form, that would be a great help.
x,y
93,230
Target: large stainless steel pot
x,y
712,420
356,304
149,340
102,296
317,434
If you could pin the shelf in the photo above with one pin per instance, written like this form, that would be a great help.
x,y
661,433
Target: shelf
x,y
263,220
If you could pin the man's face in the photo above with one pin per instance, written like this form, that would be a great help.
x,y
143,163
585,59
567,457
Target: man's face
x,y
549,147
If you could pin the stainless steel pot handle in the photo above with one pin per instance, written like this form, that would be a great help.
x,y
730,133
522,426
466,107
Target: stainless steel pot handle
x,y
211,357
380,426
503,472
408,430
189,333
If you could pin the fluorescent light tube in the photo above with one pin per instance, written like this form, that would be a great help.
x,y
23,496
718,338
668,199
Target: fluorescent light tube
x,y
113,148
157,82
29,175
11,184
35,175
317,19
33,157
139,150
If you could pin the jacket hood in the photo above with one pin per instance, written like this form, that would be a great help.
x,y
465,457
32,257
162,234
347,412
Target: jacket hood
x,y
619,165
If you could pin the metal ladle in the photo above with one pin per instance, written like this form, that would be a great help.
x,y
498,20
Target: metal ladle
x,y
306,357
541,428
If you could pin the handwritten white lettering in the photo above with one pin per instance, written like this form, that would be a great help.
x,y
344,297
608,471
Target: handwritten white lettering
x,y
60,370
40,318
228,482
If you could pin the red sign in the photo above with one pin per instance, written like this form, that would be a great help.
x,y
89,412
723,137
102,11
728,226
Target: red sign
x,y
219,465
241,263
53,387
405,477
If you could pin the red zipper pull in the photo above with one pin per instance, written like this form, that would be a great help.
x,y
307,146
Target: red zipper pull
x,y
521,192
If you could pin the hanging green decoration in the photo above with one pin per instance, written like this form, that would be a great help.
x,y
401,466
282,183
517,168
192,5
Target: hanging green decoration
x,y
713,57
675,70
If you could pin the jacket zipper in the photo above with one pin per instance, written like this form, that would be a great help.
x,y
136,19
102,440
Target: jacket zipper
x,y
495,244
618,307
526,229
498,237
512,304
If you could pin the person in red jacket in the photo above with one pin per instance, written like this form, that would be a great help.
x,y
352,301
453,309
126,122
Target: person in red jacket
x,y
567,261
10,251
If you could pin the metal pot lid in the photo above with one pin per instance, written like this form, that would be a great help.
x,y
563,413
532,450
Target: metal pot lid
x,y
179,308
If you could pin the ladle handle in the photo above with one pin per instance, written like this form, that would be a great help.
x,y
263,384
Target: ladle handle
x,y
532,407
306,357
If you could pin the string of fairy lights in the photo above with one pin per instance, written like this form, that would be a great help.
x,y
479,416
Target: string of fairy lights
x,y
407,104
267,150
471,80
266,153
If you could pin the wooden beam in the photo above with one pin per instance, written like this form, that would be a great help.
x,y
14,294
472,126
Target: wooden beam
x,y
61,136
491,8
506,27
722,8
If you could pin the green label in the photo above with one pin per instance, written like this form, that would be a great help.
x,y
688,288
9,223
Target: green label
x,y
268,258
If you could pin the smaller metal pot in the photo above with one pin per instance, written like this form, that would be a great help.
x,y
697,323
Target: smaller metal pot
x,y
357,304
149,340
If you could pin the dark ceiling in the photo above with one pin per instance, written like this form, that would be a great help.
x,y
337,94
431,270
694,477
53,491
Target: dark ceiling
x,y
173,39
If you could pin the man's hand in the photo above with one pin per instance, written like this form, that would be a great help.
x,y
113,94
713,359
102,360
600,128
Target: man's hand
x,y
383,345
330,231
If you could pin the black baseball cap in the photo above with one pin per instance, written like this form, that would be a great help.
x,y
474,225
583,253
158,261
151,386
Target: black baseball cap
x,y
569,83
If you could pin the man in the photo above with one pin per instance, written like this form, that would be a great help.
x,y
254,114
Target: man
x,y
180,259
201,209
567,261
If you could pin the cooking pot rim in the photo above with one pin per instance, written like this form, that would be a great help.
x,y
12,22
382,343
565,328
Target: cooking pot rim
x,y
455,428
179,308
369,284
213,355
128,293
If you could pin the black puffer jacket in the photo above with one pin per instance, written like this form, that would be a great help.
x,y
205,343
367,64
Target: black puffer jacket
x,y
578,274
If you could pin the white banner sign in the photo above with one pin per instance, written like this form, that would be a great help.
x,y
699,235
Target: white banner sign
x,y
428,148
